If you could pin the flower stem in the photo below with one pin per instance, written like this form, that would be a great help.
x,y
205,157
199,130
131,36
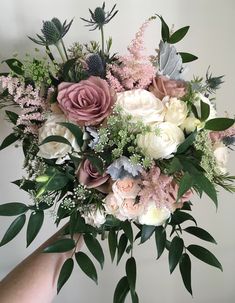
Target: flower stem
x,y
64,48
102,40
60,52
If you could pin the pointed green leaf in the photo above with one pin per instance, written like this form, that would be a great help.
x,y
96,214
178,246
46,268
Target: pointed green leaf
x,y
75,130
131,273
95,248
178,35
65,273
187,143
186,57
13,230
121,291
10,139
15,65
34,225
59,246
55,138
146,233
13,117
122,244
112,240
205,184
185,270
13,209
165,30
160,238
186,182
179,217
86,265
127,228
205,111
200,233
175,252
204,255
219,124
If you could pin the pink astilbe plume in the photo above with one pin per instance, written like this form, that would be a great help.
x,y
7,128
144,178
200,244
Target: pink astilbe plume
x,y
29,100
134,70
220,135
161,189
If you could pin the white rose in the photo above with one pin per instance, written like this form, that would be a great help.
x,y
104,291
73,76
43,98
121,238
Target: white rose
x,y
154,215
176,110
221,156
55,150
163,142
204,99
190,124
95,218
142,105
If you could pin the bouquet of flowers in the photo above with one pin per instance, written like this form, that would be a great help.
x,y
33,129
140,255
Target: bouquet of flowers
x,y
116,146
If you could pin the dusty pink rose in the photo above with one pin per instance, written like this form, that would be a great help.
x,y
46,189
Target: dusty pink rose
x,y
127,188
130,209
87,175
88,102
162,86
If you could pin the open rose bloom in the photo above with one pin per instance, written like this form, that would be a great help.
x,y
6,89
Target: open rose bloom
x,y
117,146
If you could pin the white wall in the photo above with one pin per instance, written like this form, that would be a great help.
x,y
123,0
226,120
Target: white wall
x,y
212,39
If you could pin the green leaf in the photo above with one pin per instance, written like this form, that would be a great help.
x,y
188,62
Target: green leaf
x,y
75,130
200,233
34,225
122,244
160,238
185,270
146,233
25,184
10,139
13,230
178,35
180,217
219,124
86,265
13,117
165,30
175,252
186,57
15,65
127,228
13,209
205,184
205,111
131,273
67,67
95,248
65,273
204,255
60,246
121,291
186,182
112,239
174,166
57,139
97,163
187,143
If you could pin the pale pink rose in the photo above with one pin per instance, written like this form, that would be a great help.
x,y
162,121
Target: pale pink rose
x,y
130,209
162,86
111,206
127,188
87,175
88,102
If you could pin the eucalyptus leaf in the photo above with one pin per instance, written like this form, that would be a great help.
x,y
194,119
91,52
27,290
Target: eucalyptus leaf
x,y
127,228
13,209
146,233
165,30
34,225
187,57
175,252
186,182
95,248
112,240
13,230
187,143
13,117
60,246
180,217
200,233
10,139
219,124
86,265
205,184
160,239
65,273
205,110
185,270
131,273
178,35
122,244
121,291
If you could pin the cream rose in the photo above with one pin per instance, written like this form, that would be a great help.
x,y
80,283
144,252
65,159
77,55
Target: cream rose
x,y
190,124
154,215
162,143
141,105
221,156
55,150
95,217
176,110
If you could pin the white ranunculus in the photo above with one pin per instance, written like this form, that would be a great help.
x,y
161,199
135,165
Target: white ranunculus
x,y
221,156
163,142
204,99
142,105
95,217
154,215
190,124
55,150
176,111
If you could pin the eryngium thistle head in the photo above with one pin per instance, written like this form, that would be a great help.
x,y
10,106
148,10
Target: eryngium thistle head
x,y
52,32
100,17
95,65
213,83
